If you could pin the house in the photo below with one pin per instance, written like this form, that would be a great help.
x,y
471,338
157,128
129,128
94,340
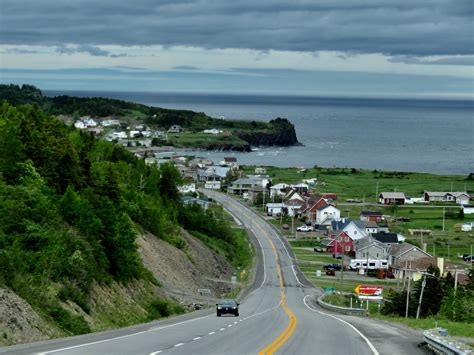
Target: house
x,y
212,173
212,185
242,185
405,252
313,204
302,189
374,216
386,238
369,226
468,209
265,179
255,191
279,190
329,196
415,269
260,170
326,215
293,195
175,129
370,248
295,207
342,244
189,200
392,198
212,131
461,198
348,226
231,162
275,209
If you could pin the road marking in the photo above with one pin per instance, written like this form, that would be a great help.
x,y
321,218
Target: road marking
x,y
221,329
283,337
212,333
156,352
371,346
179,344
196,338
230,325
121,337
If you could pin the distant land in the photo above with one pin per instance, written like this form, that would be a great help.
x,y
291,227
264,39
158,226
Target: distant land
x,y
191,129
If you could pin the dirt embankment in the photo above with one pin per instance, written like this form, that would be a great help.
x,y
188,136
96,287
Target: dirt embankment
x,y
180,273
183,273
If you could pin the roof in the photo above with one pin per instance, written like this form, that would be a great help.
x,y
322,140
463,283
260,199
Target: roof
x,y
341,224
419,264
298,203
441,194
368,242
230,159
386,237
275,205
370,224
398,250
191,199
279,186
371,213
244,181
394,195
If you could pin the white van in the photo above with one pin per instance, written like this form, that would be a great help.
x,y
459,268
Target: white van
x,y
466,227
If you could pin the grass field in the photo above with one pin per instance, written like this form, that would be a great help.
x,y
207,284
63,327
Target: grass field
x,y
352,183
197,140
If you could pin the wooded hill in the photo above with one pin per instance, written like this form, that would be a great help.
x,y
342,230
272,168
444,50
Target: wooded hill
x,y
278,132
70,210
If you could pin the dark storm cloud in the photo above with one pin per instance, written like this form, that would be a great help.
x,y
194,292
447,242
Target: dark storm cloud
x,y
394,27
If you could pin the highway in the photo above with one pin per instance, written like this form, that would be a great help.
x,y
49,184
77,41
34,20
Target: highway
x,y
278,315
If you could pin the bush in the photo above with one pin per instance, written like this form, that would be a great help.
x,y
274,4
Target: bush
x,y
67,321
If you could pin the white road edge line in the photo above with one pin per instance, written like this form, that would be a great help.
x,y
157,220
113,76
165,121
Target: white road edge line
x,y
212,333
120,337
371,346
179,344
196,338
222,329
156,352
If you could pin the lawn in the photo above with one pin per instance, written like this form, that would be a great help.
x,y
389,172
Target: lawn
x,y
202,139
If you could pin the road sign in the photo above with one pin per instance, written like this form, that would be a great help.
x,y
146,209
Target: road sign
x,y
329,289
318,273
233,279
203,291
364,290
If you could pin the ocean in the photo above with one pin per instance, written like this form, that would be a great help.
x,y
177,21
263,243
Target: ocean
x,y
434,136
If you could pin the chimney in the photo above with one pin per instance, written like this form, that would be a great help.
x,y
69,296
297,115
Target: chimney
x,y
440,264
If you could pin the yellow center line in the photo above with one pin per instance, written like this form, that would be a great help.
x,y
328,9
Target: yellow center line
x,y
283,337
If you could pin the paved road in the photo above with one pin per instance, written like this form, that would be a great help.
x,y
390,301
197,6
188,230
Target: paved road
x,y
278,315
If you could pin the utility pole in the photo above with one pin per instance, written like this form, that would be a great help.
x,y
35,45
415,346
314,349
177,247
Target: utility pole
x,y
444,211
342,261
408,298
377,191
423,284
455,289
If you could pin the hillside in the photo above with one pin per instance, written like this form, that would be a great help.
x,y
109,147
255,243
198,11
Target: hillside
x,y
240,134
80,219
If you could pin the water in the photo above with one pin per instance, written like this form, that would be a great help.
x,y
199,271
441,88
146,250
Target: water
x,y
403,135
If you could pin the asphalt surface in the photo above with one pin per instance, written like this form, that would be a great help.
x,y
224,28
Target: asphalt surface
x,y
278,315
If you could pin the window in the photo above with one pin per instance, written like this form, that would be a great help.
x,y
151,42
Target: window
x,y
348,248
355,232
347,239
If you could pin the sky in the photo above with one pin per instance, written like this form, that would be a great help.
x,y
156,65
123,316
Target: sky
x,y
367,48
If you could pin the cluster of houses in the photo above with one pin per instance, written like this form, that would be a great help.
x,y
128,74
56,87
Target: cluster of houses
x,y
399,198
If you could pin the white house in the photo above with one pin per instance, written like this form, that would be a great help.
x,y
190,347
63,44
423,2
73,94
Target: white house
x,y
468,209
327,214
351,228
79,125
187,188
175,129
278,189
460,197
212,185
274,209
212,131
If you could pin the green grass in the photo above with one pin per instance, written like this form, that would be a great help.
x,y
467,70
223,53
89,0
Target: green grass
x,y
454,328
363,183
319,258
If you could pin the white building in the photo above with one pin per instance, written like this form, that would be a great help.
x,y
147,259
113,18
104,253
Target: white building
x,y
327,214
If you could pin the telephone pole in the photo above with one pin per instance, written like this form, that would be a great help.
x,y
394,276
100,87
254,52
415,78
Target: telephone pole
x,y
408,298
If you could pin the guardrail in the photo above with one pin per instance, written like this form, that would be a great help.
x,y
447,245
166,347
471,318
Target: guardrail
x,y
338,309
439,341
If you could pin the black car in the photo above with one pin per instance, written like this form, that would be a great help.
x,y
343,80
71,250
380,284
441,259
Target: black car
x,y
227,307
318,250
332,266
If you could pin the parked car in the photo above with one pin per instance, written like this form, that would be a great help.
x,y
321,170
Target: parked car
x,y
318,250
332,266
227,306
331,272
304,229
337,256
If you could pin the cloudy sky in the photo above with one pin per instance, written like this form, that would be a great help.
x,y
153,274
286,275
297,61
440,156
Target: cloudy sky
x,y
407,48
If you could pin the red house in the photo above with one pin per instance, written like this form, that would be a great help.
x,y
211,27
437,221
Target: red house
x,y
313,205
336,244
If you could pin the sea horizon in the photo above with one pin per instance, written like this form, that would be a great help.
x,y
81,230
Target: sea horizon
x,y
393,134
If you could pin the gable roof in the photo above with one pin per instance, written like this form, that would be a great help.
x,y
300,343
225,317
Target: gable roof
x,y
341,224
398,250
394,195
385,237
418,264
370,224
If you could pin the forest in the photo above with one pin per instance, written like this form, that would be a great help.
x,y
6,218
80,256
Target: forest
x,y
71,207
